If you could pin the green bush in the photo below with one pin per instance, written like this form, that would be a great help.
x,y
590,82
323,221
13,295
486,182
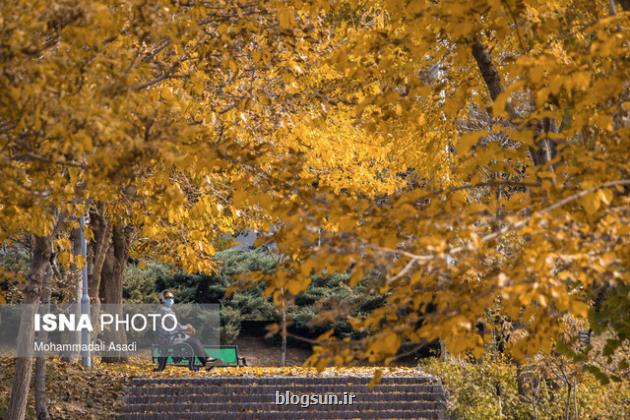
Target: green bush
x,y
14,264
142,284
139,285
472,393
230,323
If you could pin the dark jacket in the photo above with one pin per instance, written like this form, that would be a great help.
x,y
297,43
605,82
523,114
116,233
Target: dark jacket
x,y
165,337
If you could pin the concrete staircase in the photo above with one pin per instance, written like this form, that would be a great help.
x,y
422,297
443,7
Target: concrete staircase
x,y
217,398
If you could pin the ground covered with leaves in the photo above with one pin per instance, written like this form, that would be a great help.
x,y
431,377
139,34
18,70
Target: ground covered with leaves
x,y
78,393
75,392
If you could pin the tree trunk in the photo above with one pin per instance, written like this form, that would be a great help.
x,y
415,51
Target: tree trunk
x,y
567,403
74,273
575,402
546,148
612,7
492,79
443,351
111,288
99,247
41,405
625,4
521,380
283,360
488,70
40,263
542,154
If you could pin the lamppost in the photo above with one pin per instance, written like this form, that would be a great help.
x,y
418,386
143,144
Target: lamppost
x,y
85,297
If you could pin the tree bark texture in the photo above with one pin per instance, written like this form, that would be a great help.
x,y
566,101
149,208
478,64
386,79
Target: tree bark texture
x,y
74,274
546,148
41,405
111,287
488,71
39,265
99,247
283,359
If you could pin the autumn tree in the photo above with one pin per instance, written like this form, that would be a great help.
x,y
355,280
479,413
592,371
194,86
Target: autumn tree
x,y
456,154
523,108
138,114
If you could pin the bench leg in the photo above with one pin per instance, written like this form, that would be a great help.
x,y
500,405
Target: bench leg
x,y
161,364
191,364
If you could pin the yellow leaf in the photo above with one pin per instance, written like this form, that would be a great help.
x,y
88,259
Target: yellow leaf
x,y
468,140
591,203
286,17
536,73
79,261
525,137
296,286
498,108
579,308
605,196
376,379
581,80
387,344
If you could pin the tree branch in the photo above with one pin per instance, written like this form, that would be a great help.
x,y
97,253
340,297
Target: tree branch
x,y
488,70
415,258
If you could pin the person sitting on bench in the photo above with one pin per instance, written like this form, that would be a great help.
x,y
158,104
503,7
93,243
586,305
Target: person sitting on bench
x,y
180,334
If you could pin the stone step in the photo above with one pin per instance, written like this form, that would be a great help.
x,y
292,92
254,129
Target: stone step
x,y
265,398
279,380
255,398
267,389
270,406
290,415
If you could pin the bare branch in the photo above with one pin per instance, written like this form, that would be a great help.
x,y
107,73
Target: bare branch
x,y
415,258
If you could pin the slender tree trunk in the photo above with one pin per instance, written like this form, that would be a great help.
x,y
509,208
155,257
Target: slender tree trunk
x,y
575,403
99,247
542,154
283,360
488,70
74,273
111,288
612,7
40,263
499,393
546,148
567,404
625,4
521,382
443,350
41,405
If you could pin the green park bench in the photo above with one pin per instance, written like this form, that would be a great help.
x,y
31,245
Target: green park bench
x,y
226,355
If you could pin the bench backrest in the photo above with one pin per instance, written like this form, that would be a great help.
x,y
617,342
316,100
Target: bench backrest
x,y
229,354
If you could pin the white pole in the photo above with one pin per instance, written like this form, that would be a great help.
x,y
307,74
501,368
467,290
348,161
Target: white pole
x,y
85,298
